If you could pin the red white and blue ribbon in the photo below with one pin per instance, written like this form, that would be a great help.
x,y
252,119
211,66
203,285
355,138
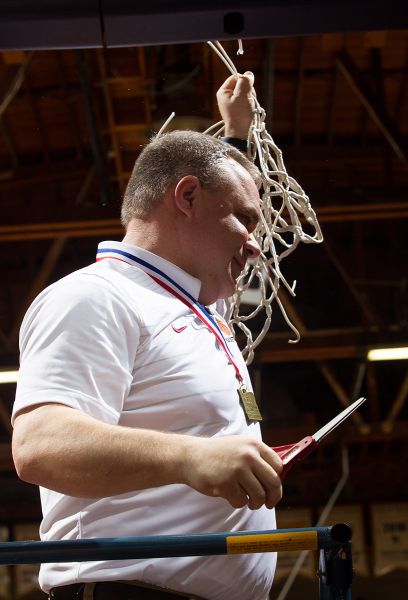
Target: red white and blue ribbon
x,y
171,286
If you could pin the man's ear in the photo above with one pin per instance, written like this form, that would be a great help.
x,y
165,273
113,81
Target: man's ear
x,y
186,194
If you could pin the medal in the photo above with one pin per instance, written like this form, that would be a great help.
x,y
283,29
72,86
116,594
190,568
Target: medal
x,y
249,405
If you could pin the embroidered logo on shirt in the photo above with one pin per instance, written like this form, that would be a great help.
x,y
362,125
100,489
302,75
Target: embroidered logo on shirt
x,y
179,329
180,324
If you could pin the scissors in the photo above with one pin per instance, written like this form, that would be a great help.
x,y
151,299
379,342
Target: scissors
x,y
293,453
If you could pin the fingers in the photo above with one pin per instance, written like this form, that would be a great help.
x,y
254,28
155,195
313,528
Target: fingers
x,y
271,484
236,103
237,85
259,487
272,458
244,85
258,480
261,482
236,496
255,492
228,86
243,471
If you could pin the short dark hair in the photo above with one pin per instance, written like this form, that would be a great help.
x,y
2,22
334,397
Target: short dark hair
x,y
169,157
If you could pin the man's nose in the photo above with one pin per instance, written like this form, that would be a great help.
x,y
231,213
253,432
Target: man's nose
x,y
252,247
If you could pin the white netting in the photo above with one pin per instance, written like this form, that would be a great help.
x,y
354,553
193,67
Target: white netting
x,y
284,207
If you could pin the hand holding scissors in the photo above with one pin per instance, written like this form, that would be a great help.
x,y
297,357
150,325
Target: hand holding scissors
x,y
292,453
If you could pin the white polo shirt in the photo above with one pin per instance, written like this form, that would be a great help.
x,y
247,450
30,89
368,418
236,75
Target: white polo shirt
x,y
110,341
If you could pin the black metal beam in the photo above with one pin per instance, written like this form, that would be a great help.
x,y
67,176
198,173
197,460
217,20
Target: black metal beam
x,y
77,23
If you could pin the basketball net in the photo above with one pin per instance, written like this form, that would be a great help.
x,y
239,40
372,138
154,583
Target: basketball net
x,y
285,211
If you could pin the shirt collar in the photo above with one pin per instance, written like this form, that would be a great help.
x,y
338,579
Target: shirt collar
x,y
191,284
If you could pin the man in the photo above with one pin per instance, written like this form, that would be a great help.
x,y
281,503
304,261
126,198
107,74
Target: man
x,y
128,412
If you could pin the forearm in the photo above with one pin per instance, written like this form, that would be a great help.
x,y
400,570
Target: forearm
x,y
65,450
70,452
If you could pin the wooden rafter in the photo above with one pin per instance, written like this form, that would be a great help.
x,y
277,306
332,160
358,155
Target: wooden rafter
x,y
373,393
397,405
95,227
361,301
16,83
341,394
322,364
373,105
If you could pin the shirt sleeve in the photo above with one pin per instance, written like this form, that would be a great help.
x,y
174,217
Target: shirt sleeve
x,y
238,143
78,343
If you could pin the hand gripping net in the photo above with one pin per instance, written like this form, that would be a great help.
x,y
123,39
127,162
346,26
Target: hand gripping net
x,y
284,207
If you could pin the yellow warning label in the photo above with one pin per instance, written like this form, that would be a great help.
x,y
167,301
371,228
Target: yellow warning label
x,y
272,542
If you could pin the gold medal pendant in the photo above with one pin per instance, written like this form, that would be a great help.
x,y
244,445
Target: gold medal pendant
x,y
249,405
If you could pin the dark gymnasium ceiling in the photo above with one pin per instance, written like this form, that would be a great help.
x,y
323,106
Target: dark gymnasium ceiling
x,y
335,88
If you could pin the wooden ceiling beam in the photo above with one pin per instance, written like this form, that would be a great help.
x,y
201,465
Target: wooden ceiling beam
x,y
308,156
362,302
324,367
92,228
397,405
341,394
373,105
15,84
298,353
28,177
373,393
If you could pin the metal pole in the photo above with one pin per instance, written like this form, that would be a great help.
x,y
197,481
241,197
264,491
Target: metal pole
x,y
309,538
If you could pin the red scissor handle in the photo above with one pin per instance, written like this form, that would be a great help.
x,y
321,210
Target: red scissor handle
x,y
294,452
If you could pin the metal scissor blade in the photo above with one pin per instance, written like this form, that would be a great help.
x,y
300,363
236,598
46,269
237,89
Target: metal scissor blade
x,y
319,435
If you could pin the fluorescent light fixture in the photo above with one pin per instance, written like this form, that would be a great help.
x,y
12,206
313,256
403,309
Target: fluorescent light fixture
x,y
8,376
388,354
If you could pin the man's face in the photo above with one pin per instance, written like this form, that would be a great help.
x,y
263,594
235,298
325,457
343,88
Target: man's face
x,y
223,240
